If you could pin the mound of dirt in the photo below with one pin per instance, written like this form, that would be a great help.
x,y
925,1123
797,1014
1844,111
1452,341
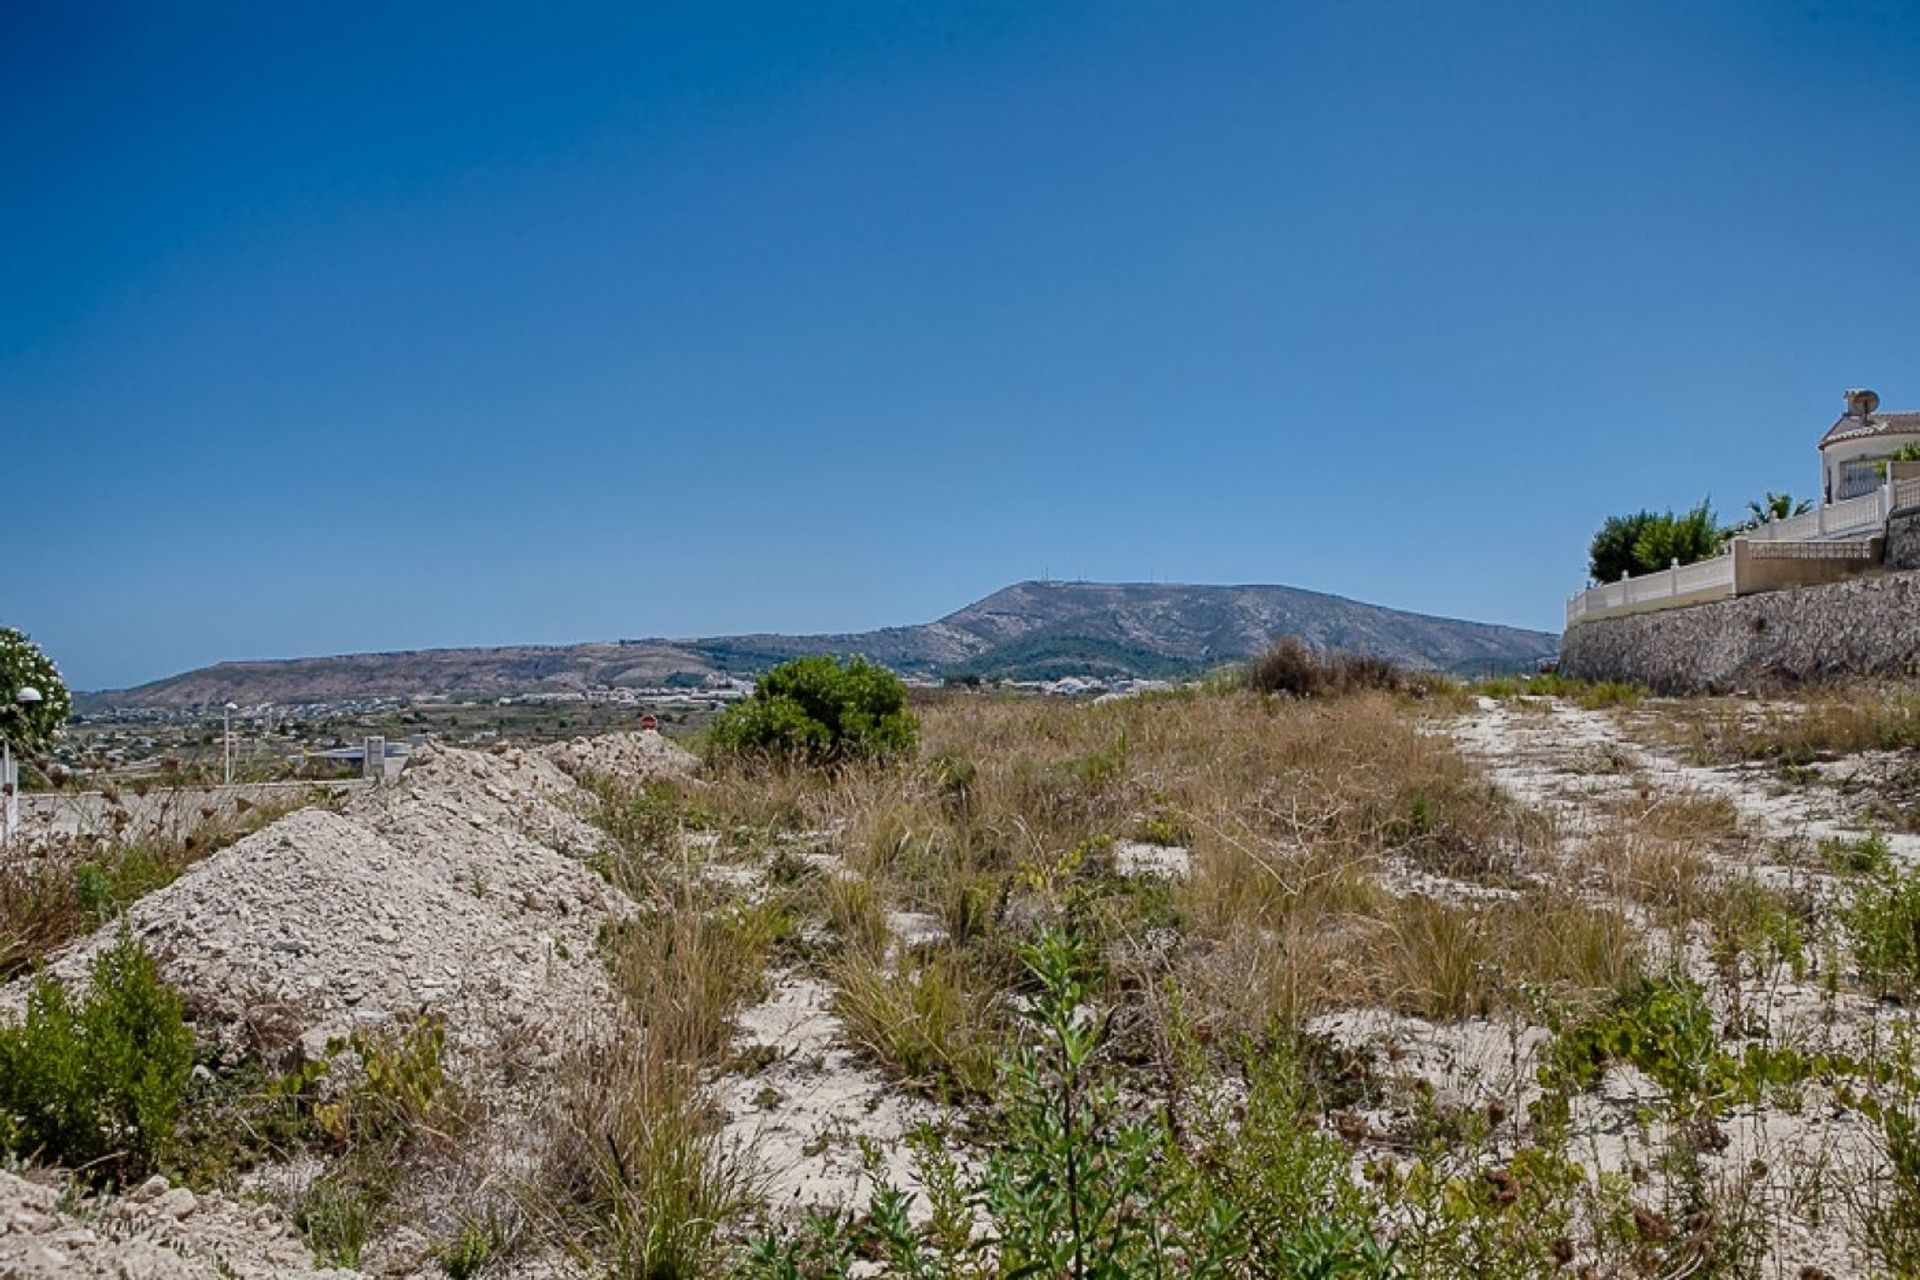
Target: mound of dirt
x,y
632,758
458,891
156,1233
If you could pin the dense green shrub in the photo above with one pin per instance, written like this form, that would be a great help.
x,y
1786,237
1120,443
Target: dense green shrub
x,y
1688,537
96,1082
1649,540
821,710
1611,553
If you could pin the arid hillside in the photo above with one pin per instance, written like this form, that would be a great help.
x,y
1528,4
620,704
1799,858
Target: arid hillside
x,y
1032,630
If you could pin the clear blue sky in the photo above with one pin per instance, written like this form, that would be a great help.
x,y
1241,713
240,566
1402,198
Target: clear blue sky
x,y
335,327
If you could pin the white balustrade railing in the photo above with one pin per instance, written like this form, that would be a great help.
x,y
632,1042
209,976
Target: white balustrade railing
x,y
1868,511
1792,529
1714,579
1835,520
1702,580
1702,575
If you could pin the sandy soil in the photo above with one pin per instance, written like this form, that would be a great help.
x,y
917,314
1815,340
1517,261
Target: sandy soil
x,y
1578,765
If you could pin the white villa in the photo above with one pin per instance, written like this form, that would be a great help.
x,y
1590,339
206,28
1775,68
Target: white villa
x,y
1854,452
1862,489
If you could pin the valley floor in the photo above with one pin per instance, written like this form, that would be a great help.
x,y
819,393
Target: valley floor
x,y
1420,981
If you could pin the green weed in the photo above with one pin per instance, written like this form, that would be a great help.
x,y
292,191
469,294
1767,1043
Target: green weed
x,y
1882,915
96,1083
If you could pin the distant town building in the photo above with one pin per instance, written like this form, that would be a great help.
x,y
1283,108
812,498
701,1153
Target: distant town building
x,y
376,757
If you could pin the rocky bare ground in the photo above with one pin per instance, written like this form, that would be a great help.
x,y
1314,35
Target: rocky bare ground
x,y
1563,758
158,1232
634,759
463,892
1597,779
803,1113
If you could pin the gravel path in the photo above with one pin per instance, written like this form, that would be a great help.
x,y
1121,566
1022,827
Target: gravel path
x,y
1578,766
1565,759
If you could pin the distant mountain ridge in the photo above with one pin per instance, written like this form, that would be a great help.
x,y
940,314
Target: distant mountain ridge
x,y
1032,630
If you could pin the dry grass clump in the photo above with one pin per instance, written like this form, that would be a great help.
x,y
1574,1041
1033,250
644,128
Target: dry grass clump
x,y
1819,725
688,964
1661,851
1291,810
1245,984
1448,960
1418,955
1680,815
636,1171
855,912
1665,874
1291,667
924,1018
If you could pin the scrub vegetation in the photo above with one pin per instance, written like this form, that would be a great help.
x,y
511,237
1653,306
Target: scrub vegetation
x,y
1310,972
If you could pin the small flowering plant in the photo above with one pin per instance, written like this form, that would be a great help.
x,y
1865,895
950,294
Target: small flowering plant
x,y
30,726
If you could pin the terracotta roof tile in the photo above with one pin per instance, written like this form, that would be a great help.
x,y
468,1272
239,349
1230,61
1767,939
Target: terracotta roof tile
x,y
1877,424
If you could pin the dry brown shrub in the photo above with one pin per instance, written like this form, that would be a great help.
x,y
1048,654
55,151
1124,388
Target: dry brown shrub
x,y
1290,666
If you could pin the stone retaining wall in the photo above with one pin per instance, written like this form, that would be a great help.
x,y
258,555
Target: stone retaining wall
x,y
1866,626
1903,540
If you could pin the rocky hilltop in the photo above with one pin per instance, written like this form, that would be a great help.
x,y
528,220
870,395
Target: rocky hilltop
x,y
1034,630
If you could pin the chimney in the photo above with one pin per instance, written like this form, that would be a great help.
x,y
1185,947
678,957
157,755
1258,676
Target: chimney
x,y
1861,403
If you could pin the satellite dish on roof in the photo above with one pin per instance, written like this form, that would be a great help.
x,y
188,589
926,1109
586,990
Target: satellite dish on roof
x,y
1862,402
